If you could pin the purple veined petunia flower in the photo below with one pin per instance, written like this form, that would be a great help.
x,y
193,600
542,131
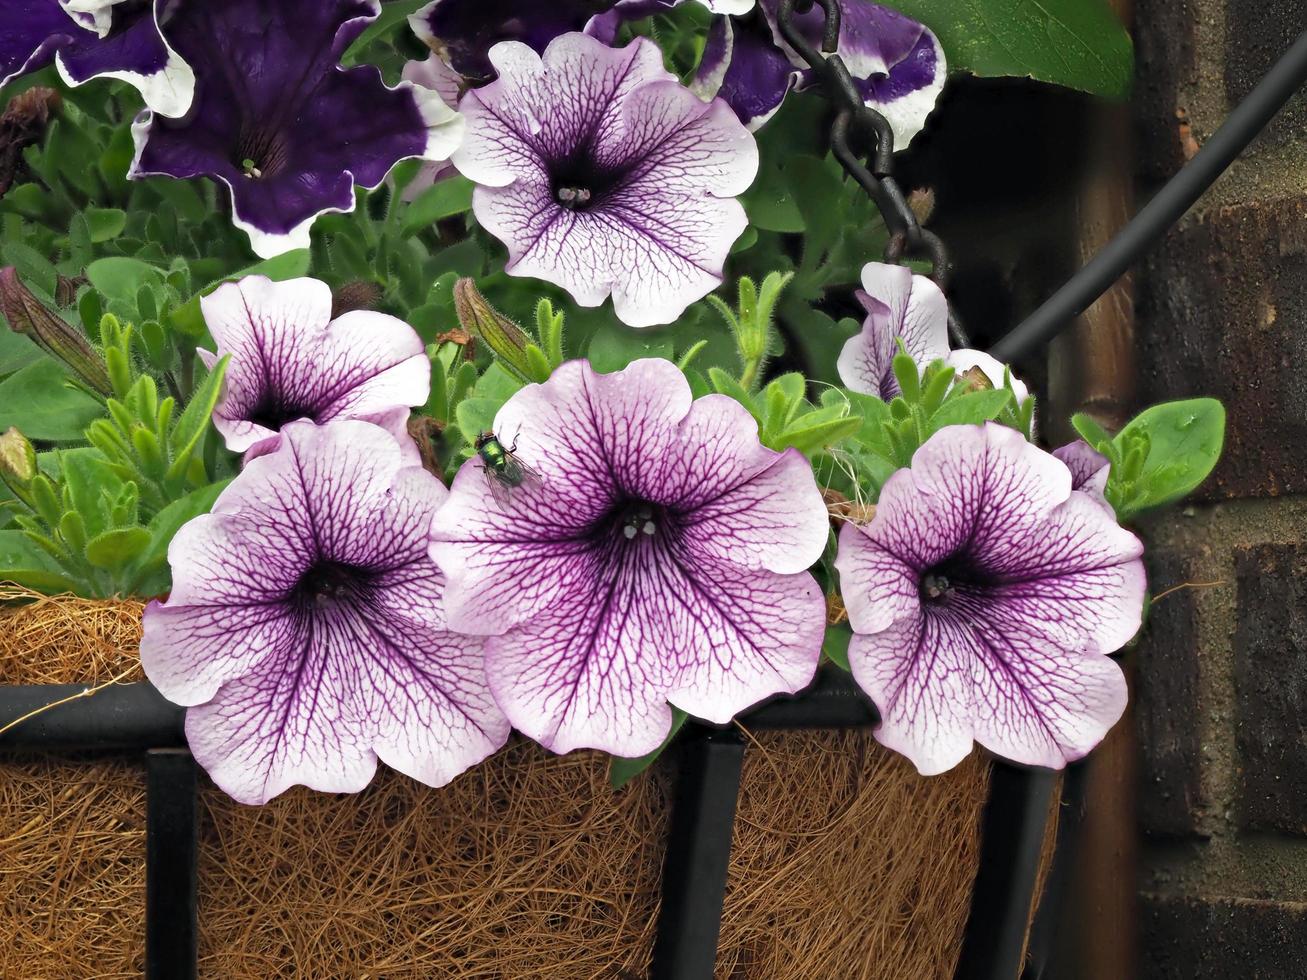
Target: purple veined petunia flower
x,y
660,556
1089,468
306,627
462,32
605,176
290,361
984,598
96,39
896,63
899,305
277,119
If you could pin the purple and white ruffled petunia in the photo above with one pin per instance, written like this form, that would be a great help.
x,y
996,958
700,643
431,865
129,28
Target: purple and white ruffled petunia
x,y
896,63
290,361
899,305
660,556
306,627
277,119
984,598
605,176
96,39
433,74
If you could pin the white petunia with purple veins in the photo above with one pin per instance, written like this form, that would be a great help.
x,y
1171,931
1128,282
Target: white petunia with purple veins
x,y
290,361
605,176
89,39
306,628
280,122
1089,468
661,556
984,598
900,306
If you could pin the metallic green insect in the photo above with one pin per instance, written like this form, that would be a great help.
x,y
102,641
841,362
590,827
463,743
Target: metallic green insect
x,y
504,471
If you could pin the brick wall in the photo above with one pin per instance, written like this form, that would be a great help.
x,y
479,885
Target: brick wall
x,y
1222,672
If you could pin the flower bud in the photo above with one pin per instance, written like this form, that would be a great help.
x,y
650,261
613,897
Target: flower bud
x,y
50,332
506,340
17,462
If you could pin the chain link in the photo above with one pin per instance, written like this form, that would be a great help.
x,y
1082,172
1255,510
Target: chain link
x,y
857,124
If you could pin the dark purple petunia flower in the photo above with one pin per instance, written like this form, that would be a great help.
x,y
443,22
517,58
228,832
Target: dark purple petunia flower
x,y
279,121
984,598
96,39
306,626
604,175
290,360
660,556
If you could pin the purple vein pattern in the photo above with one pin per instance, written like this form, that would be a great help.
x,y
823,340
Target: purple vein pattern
x,y
661,557
604,175
984,598
899,305
306,625
96,38
277,119
291,361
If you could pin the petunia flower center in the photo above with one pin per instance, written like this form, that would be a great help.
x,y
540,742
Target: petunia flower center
x,y
635,521
261,151
580,184
272,413
328,582
936,588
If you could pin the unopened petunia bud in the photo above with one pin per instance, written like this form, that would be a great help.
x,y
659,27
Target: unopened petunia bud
x,y
17,462
506,340
26,315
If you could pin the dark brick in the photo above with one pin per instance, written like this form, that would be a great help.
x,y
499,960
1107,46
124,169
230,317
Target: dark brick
x,y
1257,32
1223,311
1165,68
1220,939
1270,676
1167,705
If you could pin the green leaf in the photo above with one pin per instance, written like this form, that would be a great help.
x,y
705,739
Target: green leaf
x,y
116,549
38,401
972,408
808,437
392,15
1089,430
475,416
615,345
195,420
1077,43
16,351
121,278
444,199
621,771
1184,442
288,265
725,384
836,644
105,223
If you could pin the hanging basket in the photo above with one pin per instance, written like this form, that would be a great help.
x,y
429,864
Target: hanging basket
x,y
844,863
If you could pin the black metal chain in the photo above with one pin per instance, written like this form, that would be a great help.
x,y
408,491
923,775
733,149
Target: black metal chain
x,y
858,124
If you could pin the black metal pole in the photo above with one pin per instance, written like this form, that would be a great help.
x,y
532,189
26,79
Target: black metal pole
x,y
833,700
171,877
121,716
1165,209
1012,841
698,855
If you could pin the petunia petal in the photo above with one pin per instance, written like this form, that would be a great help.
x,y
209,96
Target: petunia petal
x,y
994,370
1089,468
918,674
34,31
744,68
